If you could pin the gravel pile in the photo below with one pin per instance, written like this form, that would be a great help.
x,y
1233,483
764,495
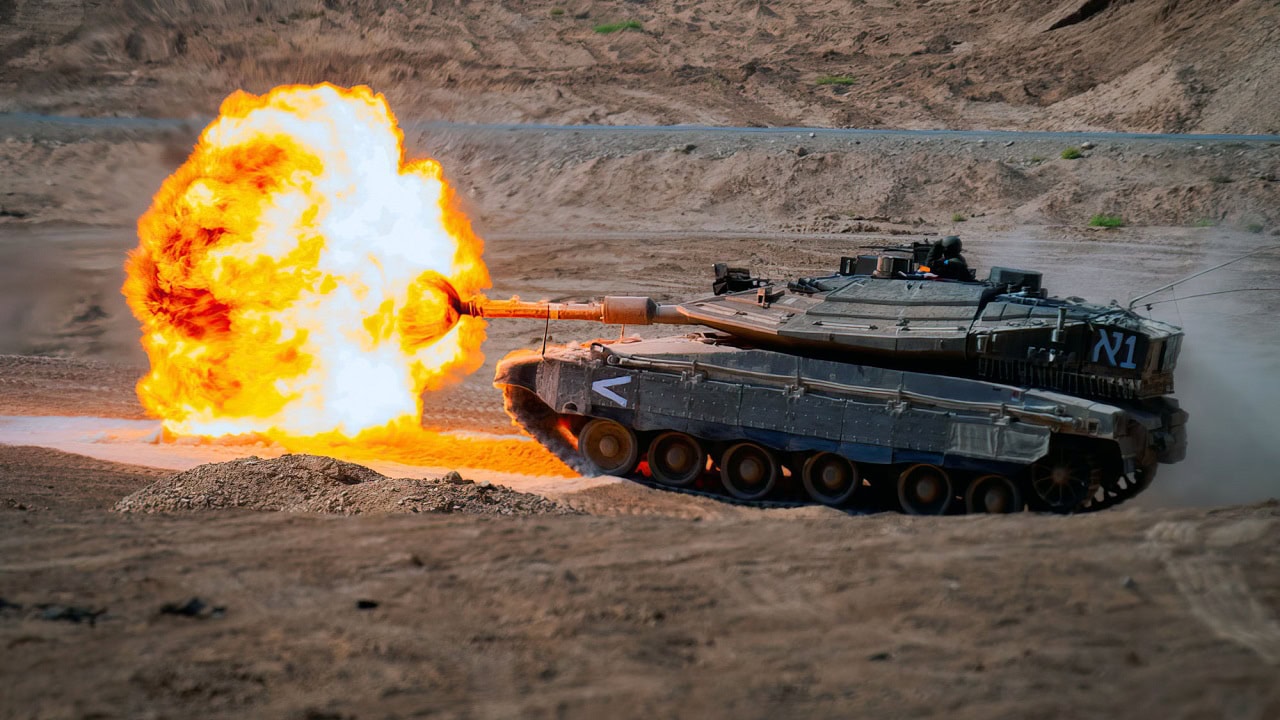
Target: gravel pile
x,y
312,483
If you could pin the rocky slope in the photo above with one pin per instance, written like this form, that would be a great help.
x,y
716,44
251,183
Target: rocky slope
x,y
1152,65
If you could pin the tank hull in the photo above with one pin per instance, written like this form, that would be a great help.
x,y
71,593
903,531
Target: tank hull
x,y
884,422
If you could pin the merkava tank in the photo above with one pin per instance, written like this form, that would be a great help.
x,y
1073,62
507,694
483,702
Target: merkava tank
x,y
876,385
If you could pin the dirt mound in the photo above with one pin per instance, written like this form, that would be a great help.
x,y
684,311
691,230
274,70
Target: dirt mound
x,y
760,181
312,483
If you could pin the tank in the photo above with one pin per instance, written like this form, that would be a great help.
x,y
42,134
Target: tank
x,y
876,386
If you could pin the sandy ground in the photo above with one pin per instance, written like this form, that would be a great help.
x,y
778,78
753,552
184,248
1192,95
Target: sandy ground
x,y
766,615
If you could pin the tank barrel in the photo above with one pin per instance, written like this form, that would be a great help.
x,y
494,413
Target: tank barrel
x,y
612,310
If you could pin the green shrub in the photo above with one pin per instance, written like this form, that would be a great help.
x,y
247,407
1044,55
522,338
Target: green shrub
x,y
557,12
1037,159
1072,153
958,217
1220,179
836,80
1106,221
1255,228
1205,222
615,27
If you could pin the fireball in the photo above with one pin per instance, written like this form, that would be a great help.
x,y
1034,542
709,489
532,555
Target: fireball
x,y
297,276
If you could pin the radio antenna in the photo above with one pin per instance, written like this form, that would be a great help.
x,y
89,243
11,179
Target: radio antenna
x,y
1216,292
1193,276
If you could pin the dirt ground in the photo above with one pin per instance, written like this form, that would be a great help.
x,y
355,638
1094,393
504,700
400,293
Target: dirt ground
x,y
402,590
763,614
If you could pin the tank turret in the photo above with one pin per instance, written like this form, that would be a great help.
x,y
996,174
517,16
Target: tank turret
x,y
880,380
883,310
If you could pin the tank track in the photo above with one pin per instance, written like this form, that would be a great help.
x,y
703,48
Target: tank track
x,y
541,423
1123,489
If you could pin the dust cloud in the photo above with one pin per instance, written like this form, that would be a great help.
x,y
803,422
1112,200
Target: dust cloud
x,y
1228,379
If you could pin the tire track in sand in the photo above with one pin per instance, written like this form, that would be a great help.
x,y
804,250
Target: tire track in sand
x,y
1216,591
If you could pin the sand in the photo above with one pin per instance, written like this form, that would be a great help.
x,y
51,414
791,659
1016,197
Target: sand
x,y
755,615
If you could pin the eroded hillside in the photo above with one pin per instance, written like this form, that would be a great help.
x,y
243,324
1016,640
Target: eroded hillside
x,y
1149,65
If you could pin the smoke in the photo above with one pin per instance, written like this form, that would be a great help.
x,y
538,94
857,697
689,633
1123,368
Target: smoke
x,y
1228,379
1228,374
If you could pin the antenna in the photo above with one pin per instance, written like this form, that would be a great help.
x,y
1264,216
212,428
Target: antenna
x,y
1193,276
1216,292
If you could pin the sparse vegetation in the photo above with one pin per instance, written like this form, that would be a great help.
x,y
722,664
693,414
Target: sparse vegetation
x,y
836,80
1255,228
1220,179
1205,222
557,12
958,217
617,26
1072,153
1106,221
1037,159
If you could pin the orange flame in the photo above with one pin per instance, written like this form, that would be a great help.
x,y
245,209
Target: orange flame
x,y
298,278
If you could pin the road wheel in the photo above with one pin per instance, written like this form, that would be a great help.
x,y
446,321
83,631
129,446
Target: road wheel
x,y
676,459
829,478
993,494
749,471
925,490
610,446
1064,479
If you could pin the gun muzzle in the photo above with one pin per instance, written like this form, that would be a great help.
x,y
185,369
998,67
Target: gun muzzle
x,y
612,310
